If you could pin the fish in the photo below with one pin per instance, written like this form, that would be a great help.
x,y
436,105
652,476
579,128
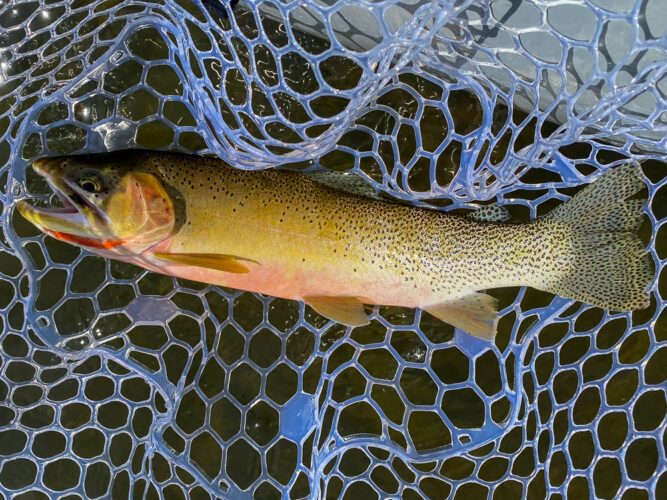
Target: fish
x,y
285,234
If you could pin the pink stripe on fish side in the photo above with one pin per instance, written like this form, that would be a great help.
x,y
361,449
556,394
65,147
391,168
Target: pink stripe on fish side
x,y
295,283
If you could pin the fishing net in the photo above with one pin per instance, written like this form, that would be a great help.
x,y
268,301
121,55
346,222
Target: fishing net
x,y
117,382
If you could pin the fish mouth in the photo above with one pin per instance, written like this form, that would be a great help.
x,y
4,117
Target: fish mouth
x,y
78,216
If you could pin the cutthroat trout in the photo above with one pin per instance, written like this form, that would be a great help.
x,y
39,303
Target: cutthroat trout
x,y
282,234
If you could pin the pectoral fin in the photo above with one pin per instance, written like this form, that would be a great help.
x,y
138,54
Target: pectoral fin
x,y
219,262
346,310
476,314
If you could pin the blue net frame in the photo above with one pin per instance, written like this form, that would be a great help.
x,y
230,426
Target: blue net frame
x,y
115,381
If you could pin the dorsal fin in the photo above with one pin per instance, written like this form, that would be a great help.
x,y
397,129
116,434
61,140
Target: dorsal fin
x,y
345,181
490,213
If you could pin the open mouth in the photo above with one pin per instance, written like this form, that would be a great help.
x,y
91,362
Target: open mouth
x,y
69,209
73,203
73,217
66,206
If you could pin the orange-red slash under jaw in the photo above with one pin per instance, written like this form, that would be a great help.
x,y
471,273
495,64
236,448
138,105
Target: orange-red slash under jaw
x,y
85,242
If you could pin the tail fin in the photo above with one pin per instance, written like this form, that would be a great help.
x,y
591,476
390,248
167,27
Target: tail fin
x,y
609,266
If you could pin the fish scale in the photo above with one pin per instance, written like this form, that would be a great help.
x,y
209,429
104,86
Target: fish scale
x,y
441,255
282,234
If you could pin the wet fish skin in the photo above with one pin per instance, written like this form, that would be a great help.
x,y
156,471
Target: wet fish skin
x,y
282,234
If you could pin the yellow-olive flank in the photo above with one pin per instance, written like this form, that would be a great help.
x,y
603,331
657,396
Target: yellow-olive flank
x,y
283,234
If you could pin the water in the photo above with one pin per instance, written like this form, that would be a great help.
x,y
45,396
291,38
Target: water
x,y
164,385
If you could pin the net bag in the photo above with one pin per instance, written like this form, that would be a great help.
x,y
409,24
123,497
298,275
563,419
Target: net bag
x,y
116,382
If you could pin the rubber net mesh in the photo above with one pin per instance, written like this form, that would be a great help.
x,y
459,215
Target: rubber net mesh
x,y
117,382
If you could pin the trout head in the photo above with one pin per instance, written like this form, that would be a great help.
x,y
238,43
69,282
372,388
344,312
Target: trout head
x,y
113,208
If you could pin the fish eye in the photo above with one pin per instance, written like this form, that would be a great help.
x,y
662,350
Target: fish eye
x,y
90,183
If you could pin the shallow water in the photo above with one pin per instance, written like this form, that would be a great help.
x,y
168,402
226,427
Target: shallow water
x,y
235,378
152,346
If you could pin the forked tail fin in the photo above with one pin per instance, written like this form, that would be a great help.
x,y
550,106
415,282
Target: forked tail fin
x,y
608,267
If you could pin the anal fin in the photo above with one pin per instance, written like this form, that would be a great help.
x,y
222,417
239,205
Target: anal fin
x,y
476,314
345,310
